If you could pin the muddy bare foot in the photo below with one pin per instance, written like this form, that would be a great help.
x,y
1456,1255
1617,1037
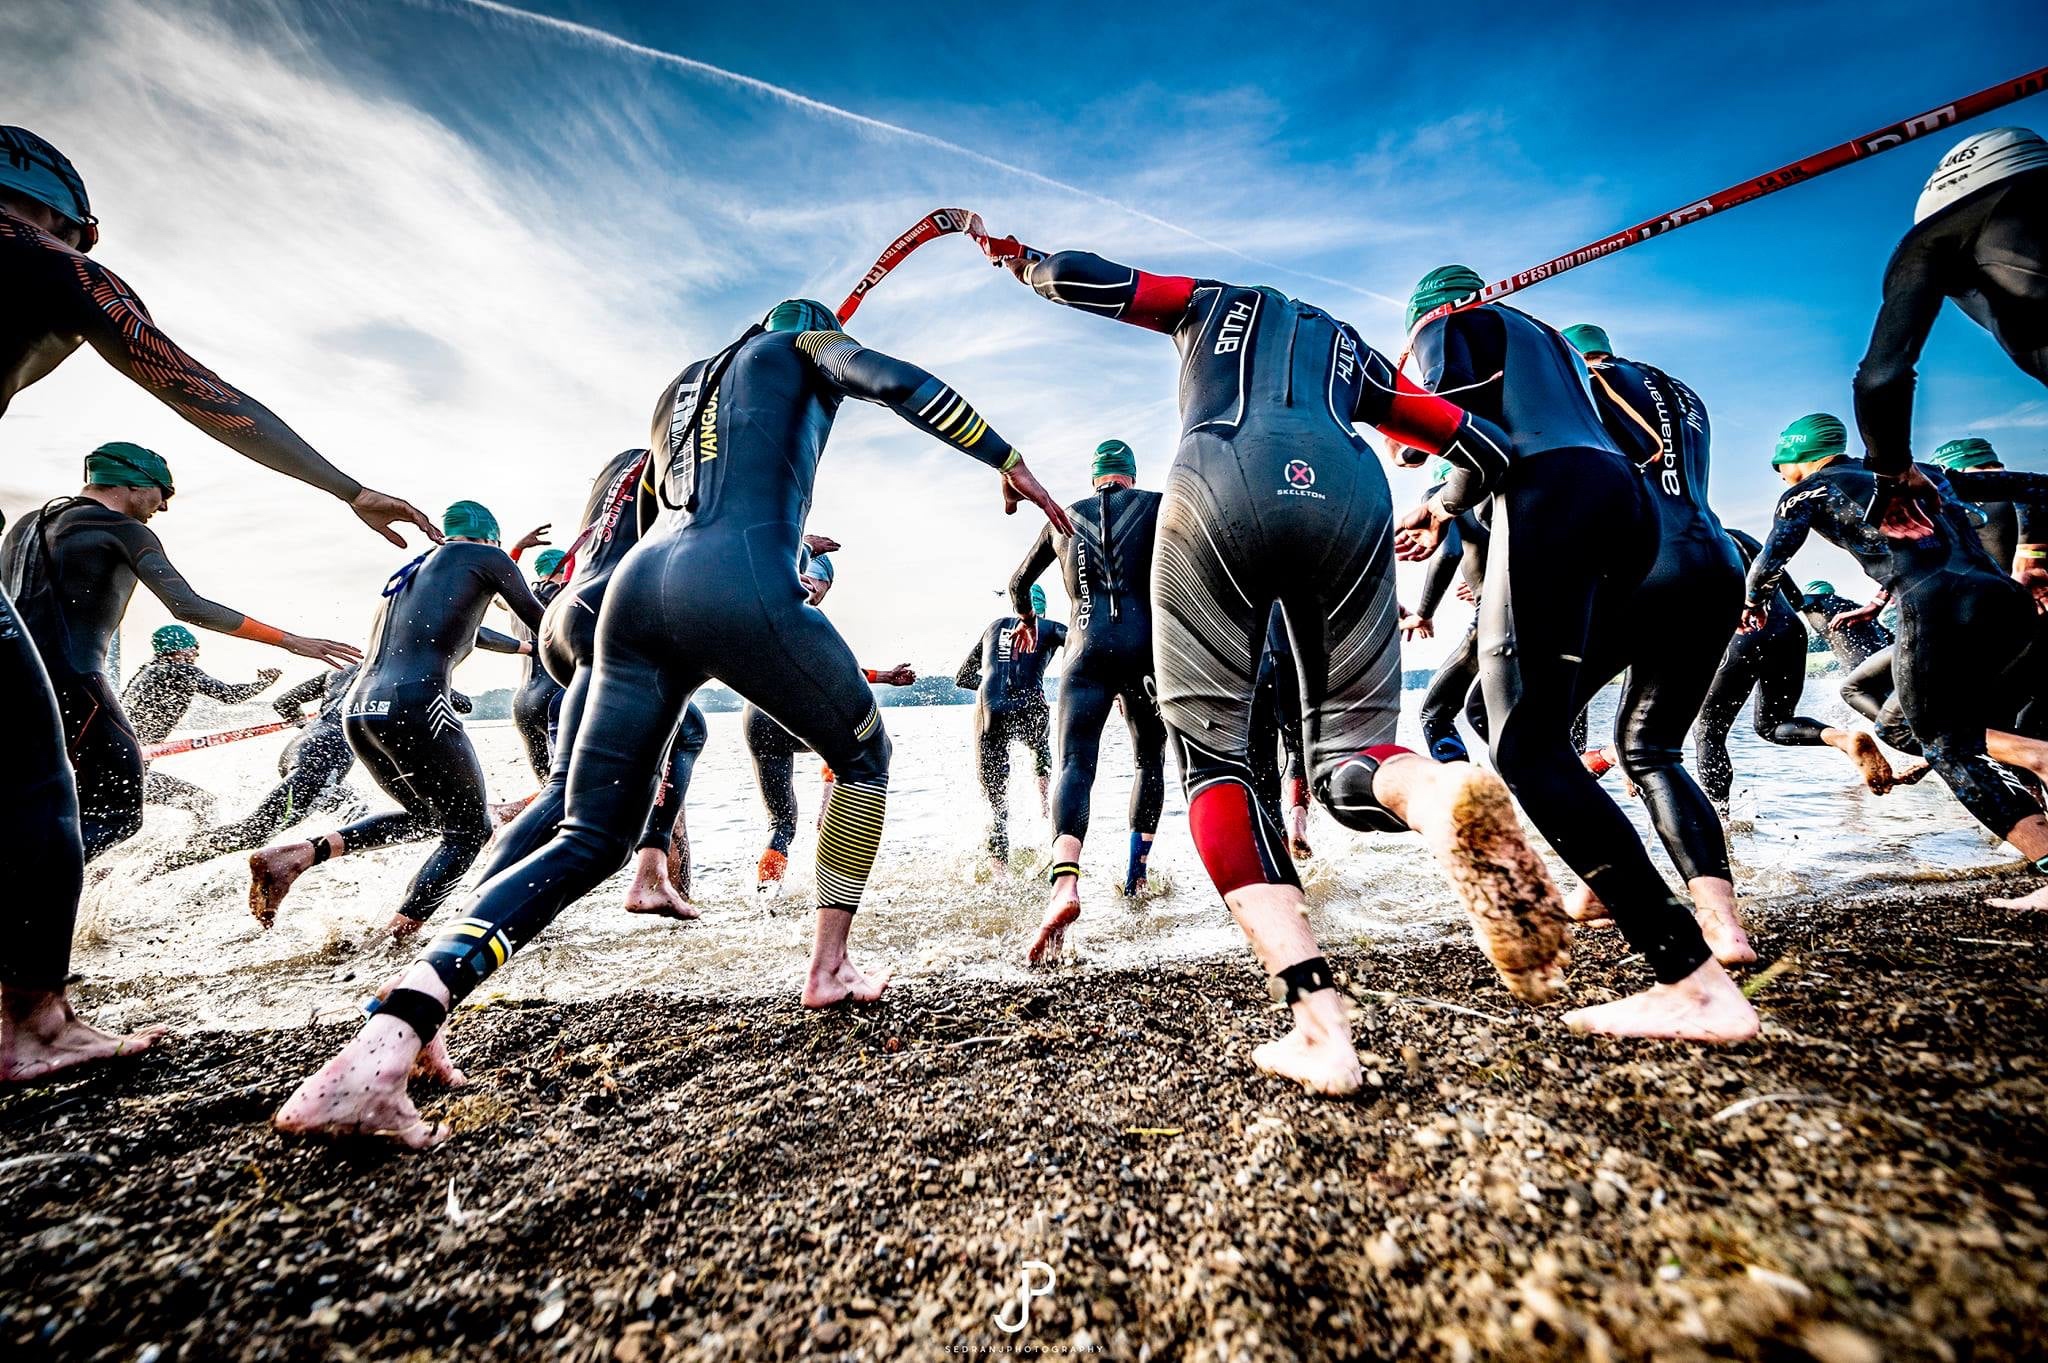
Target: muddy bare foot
x,y
1583,907
1704,1006
272,872
1060,914
1912,776
651,893
2038,900
1862,749
1297,835
844,983
502,814
1725,938
1319,1062
361,1092
1514,906
49,1039
400,927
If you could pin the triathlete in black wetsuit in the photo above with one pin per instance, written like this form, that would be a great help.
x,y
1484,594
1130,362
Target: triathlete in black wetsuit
x,y
1980,237
2000,532
72,567
1851,640
710,592
1274,497
1680,620
1962,661
1279,756
568,647
1461,555
403,725
57,299
156,699
1007,676
1575,540
1769,661
537,701
774,748
1106,565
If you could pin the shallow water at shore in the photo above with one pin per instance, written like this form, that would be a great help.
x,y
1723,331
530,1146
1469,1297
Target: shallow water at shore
x,y
182,947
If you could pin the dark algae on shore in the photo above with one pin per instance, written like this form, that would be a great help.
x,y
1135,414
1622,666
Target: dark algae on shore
x,y
650,1177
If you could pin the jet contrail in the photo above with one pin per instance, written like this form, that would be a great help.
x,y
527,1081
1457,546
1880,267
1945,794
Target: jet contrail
x,y
597,37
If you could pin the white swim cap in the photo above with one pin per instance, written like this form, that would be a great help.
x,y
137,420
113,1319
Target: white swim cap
x,y
1978,161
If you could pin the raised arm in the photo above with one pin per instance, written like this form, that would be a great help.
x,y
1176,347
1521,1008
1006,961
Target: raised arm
x,y
145,554
229,693
1885,379
1789,529
292,704
968,678
1081,280
918,397
94,304
1030,570
518,597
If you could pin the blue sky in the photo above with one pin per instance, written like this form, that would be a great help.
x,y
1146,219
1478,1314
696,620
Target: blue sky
x,y
462,251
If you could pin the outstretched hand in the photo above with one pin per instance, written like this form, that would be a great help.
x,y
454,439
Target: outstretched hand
x,y
330,651
533,538
1417,534
1024,636
1898,511
381,511
1753,618
1857,616
821,544
1417,627
1021,485
899,675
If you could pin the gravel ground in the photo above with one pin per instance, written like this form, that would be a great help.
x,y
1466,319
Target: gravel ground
x,y
648,1178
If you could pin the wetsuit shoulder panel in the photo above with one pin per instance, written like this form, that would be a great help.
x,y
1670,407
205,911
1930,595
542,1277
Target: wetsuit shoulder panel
x,y
1086,281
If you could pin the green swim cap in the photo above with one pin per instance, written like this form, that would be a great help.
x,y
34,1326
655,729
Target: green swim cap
x,y
121,464
470,521
1037,599
1113,458
1968,453
1441,470
1588,339
172,639
1444,284
1816,435
547,560
1820,587
800,314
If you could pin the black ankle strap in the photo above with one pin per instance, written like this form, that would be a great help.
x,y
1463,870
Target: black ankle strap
x,y
320,849
420,1011
1300,980
1062,868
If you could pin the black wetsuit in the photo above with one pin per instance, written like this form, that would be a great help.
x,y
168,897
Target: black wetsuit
x,y
568,650
537,700
1962,662
1455,684
1576,533
1009,707
1989,252
1106,565
404,727
57,300
1279,766
156,699
1864,650
711,592
1771,662
1851,643
1273,497
1683,614
71,567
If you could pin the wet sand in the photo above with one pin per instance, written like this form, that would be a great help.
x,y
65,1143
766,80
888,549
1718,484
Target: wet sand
x,y
650,1177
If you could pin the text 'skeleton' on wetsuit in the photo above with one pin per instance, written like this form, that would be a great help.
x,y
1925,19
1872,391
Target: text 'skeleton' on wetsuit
x,y
1684,612
1769,661
1962,662
401,720
1273,497
1106,565
711,592
72,567
567,648
1575,533
1009,707
1987,250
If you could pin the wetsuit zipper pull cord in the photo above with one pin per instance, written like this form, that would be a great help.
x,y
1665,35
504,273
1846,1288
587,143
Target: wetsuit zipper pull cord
x,y
1109,559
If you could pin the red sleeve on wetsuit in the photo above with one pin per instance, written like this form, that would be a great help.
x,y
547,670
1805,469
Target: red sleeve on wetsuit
x,y
1159,301
1421,419
258,631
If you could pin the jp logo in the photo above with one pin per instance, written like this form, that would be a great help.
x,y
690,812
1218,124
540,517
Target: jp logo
x,y
1025,1292
1300,473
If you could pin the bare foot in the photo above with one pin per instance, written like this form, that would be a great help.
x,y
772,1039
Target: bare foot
x,y
2037,900
502,814
401,927
1912,776
843,983
1297,835
1583,907
998,868
1060,914
651,891
1514,906
1704,1006
1723,930
41,1036
361,1092
435,1066
271,874
1862,749
1317,1052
